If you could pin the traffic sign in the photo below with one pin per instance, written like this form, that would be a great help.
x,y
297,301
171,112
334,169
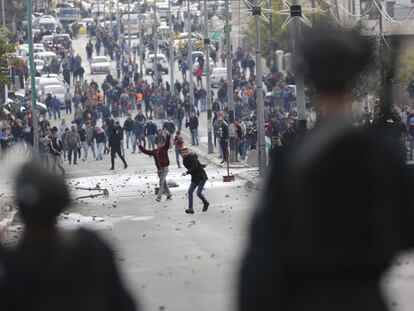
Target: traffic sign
x,y
217,35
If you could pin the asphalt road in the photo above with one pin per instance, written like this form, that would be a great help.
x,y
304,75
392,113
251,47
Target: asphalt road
x,y
170,260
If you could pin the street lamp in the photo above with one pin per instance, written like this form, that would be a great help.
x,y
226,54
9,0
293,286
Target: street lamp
x,y
190,53
208,80
172,58
155,67
32,77
230,93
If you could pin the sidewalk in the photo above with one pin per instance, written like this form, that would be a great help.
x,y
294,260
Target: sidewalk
x,y
244,170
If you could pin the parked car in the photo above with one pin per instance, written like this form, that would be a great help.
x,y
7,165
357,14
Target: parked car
x,y
162,60
57,90
100,64
216,76
196,65
39,64
47,81
19,101
47,57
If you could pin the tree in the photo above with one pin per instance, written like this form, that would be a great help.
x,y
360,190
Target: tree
x,y
5,49
405,71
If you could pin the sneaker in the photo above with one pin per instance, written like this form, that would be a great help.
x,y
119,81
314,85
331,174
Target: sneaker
x,y
189,211
111,169
205,207
75,163
179,166
158,199
83,160
125,166
169,197
222,161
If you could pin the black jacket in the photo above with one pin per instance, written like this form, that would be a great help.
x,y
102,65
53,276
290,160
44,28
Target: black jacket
x,y
192,123
150,128
169,126
138,129
116,134
195,168
128,124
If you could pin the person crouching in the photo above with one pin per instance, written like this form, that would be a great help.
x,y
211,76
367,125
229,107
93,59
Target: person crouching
x,y
198,178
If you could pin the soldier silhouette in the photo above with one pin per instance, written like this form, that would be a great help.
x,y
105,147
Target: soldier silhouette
x,y
334,211
61,270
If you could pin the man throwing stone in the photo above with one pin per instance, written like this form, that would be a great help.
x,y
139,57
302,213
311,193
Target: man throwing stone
x,y
162,162
198,179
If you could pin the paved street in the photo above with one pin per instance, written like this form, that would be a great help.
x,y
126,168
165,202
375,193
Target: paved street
x,y
175,261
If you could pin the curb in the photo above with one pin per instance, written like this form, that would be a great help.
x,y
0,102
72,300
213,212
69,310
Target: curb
x,y
212,157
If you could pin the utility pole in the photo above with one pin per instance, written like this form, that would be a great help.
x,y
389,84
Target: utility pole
x,y
259,95
272,35
118,24
129,35
296,12
383,53
141,40
3,13
239,34
172,58
32,78
155,68
190,54
230,104
104,14
208,80
110,16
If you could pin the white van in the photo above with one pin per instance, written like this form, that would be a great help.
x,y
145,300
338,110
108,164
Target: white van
x,y
47,57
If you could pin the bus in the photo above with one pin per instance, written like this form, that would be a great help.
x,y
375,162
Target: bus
x,y
134,24
69,15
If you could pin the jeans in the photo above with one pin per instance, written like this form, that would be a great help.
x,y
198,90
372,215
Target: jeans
x,y
177,156
86,146
101,149
194,137
129,137
151,142
246,147
162,174
179,124
203,104
56,112
193,186
116,150
225,148
68,106
72,150
137,142
57,161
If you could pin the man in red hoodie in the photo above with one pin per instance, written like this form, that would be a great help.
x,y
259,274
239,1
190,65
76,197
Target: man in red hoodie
x,y
162,162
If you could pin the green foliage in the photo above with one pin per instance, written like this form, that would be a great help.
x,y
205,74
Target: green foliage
x,y
274,37
281,37
405,72
5,48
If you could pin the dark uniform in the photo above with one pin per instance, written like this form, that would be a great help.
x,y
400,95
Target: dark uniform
x,y
116,135
335,210
198,180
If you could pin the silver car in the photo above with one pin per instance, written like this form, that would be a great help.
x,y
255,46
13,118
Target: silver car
x,y
217,75
162,61
100,64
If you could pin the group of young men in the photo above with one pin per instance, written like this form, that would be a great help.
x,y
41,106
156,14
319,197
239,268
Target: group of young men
x,y
190,162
